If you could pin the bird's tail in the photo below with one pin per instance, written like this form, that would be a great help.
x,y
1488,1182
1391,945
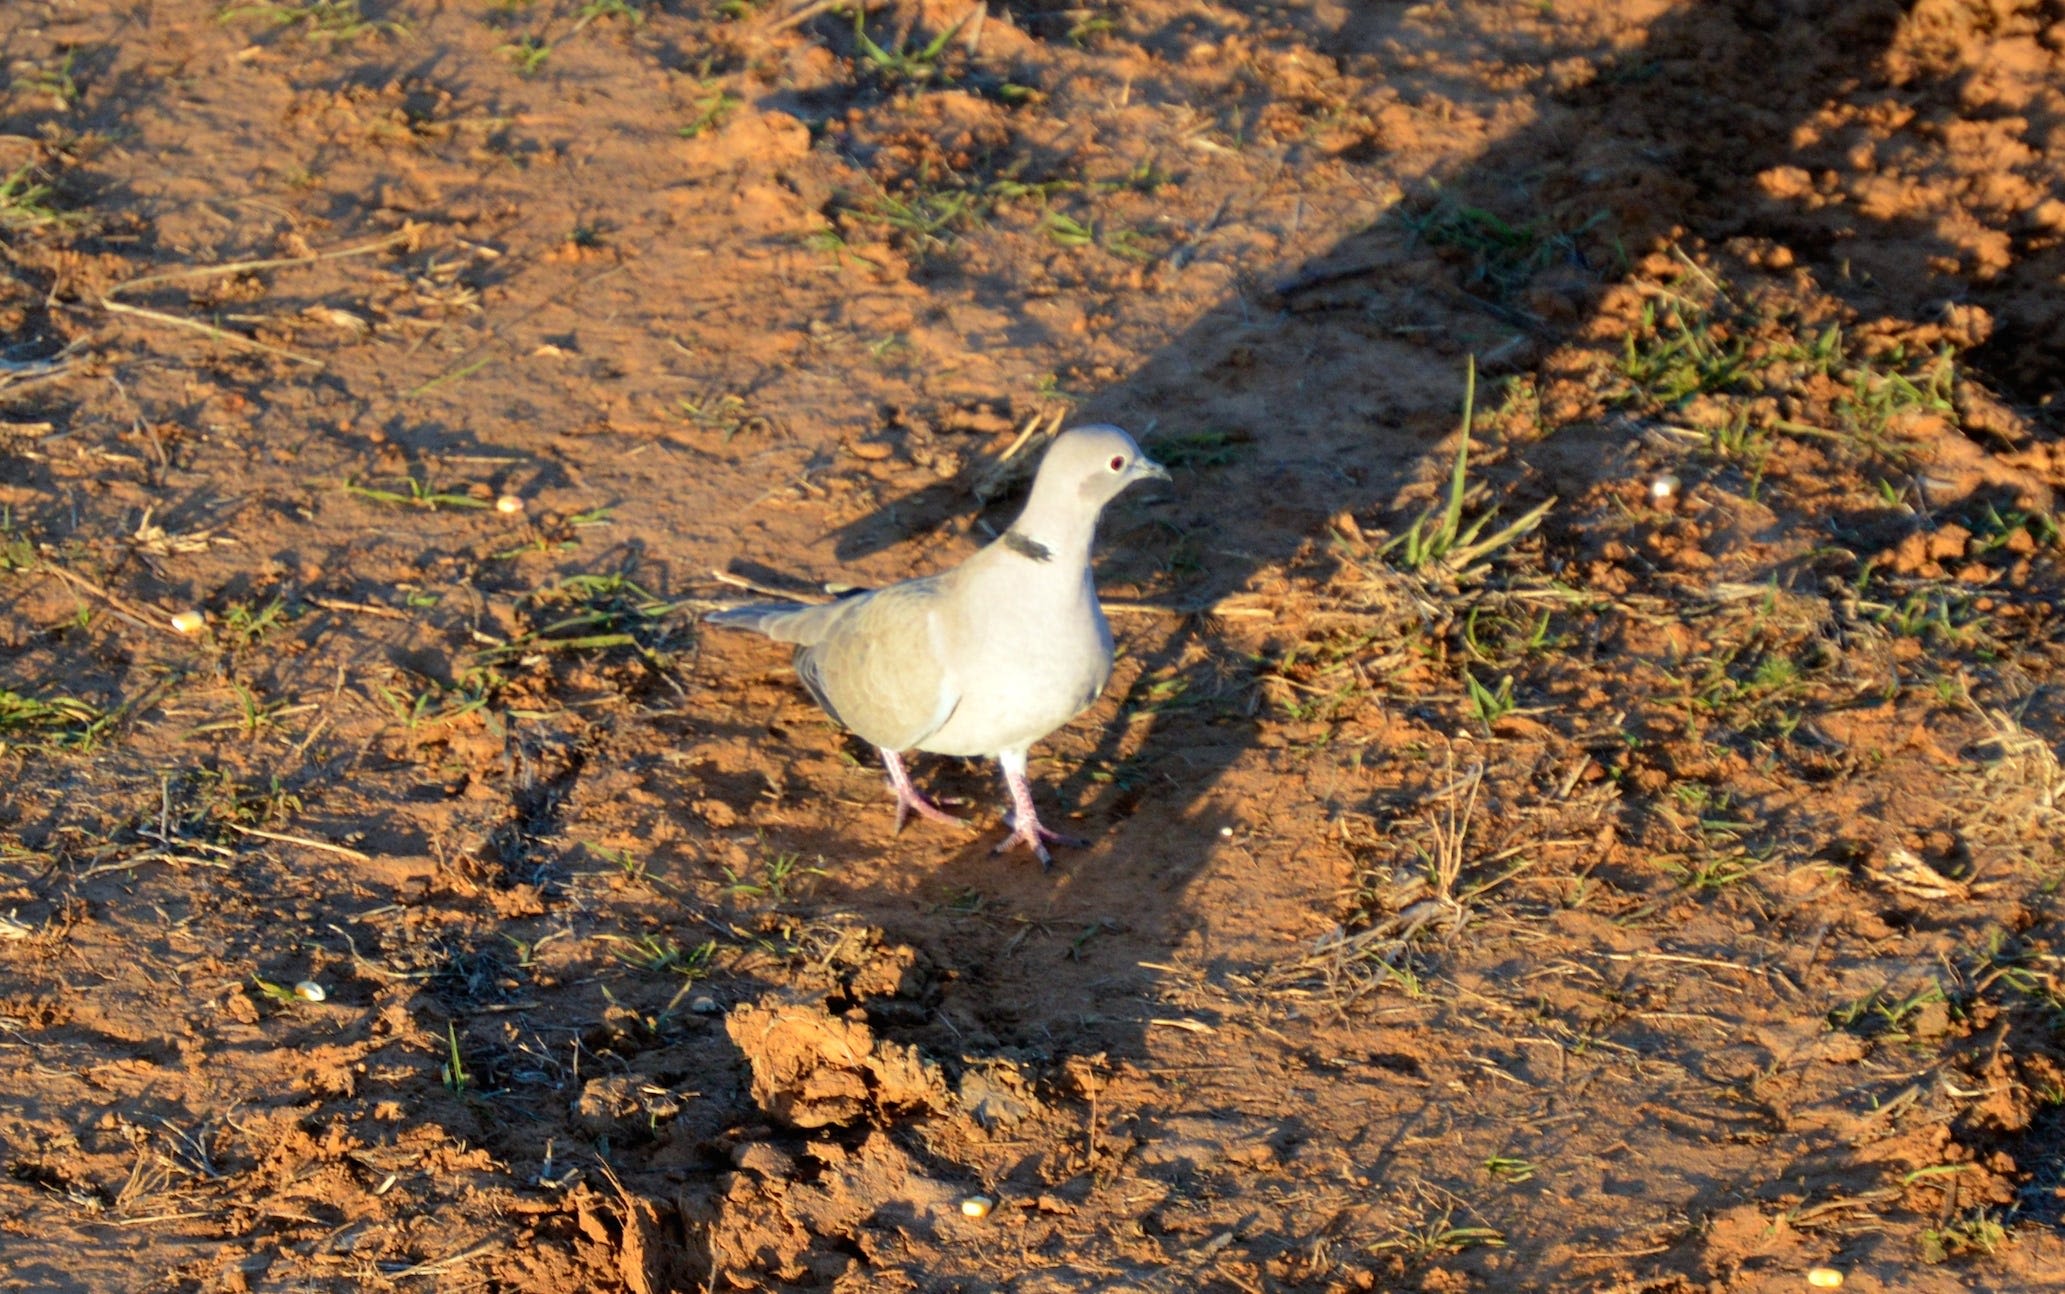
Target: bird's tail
x,y
787,622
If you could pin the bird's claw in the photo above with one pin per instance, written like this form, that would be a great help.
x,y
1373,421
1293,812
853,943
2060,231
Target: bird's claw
x,y
1036,838
906,805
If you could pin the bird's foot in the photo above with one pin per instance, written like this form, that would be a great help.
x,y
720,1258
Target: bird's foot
x,y
908,801
1025,820
1033,836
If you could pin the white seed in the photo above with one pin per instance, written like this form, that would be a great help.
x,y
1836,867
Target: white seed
x,y
703,1004
343,319
1226,833
977,1206
310,991
1663,487
189,622
509,503
1824,1278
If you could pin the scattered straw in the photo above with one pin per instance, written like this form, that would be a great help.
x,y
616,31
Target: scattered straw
x,y
112,306
149,618
239,267
754,586
306,841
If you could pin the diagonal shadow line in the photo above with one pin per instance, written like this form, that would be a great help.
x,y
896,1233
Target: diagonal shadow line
x,y
1611,164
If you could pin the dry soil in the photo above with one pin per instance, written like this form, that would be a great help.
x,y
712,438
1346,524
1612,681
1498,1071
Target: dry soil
x,y
1626,862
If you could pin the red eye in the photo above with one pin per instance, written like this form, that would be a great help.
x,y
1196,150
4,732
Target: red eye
x,y
1118,463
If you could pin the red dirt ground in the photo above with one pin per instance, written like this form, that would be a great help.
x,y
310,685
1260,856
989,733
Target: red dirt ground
x,y
1660,895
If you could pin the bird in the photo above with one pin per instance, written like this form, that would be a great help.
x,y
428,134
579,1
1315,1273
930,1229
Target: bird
x,y
981,660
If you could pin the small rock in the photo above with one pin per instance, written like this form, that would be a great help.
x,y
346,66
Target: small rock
x,y
1949,541
994,1095
763,1160
717,813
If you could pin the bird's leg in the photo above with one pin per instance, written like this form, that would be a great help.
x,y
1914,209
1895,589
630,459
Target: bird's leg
x,y
1025,822
907,797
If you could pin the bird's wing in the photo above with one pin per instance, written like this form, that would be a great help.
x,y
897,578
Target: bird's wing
x,y
875,661
879,666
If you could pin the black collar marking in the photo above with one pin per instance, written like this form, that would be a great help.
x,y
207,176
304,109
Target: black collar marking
x,y
1026,547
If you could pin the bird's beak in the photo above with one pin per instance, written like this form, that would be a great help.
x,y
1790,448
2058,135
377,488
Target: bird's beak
x,y
1147,467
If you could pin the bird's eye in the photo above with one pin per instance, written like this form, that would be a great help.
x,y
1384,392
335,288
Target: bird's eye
x,y
1118,462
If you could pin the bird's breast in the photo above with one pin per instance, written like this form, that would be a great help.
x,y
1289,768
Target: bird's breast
x,y
1023,671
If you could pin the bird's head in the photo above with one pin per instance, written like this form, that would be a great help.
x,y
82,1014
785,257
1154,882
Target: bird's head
x,y
1093,463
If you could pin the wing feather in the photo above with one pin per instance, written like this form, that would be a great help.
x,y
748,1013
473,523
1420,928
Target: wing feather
x,y
874,661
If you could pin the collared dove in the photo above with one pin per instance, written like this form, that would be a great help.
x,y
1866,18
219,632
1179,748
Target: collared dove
x,y
984,659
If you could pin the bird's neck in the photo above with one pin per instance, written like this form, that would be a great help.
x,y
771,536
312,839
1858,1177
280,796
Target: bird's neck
x,y
1053,531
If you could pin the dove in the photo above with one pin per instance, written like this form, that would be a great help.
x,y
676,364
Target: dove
x,y
981,660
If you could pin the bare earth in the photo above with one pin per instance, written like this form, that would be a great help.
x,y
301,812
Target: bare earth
x,y
1660,894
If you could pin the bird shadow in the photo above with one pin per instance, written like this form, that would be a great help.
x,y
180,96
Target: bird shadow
x,y
1351,402
1610,173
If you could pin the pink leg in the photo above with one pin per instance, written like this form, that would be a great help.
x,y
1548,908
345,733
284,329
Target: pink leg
x,y
907,797
1025,822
